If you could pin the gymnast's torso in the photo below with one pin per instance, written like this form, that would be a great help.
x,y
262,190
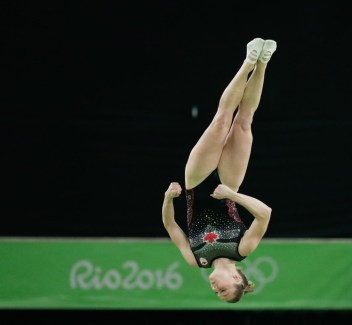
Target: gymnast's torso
x,y
214,226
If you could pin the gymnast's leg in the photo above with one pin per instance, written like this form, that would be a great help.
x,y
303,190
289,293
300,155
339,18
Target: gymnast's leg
x,y
205,155
237,150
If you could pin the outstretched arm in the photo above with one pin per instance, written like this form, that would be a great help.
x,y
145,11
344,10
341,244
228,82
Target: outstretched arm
x,y
260,211
176,234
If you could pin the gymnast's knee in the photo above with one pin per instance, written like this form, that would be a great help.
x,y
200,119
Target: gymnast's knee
x,y
244,122
222,122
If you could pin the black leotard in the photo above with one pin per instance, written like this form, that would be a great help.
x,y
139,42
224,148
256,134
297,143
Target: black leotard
x,y
214,226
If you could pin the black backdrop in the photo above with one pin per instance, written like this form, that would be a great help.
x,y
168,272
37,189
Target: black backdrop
x,y
96,112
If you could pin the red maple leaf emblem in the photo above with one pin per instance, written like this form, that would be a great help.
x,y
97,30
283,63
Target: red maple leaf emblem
x,y
210,237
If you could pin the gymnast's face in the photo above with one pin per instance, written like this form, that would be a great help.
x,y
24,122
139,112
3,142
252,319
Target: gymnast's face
x,y
223,283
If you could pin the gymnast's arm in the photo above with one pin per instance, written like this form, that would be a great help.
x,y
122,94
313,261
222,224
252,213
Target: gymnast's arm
x,y
260,211
176,234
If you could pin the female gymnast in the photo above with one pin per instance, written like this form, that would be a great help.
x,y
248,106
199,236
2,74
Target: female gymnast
x,y
217,237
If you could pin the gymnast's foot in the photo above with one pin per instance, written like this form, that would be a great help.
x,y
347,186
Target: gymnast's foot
x,y
254,48
269,48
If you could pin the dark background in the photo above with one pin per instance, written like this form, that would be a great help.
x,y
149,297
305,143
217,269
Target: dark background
x,y
96,112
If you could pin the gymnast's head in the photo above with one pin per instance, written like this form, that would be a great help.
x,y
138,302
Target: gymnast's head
x,y
230,284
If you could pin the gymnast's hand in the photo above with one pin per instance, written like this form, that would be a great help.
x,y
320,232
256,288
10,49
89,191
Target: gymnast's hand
x,y
173,191
222,192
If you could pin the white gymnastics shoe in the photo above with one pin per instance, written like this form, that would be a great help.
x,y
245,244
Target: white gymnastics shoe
x,y
269,48
254,48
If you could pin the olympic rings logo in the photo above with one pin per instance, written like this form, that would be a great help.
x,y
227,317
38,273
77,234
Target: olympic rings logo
x,y
261,271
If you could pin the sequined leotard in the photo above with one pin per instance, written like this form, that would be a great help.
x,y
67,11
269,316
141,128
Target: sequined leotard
x,y
214,226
